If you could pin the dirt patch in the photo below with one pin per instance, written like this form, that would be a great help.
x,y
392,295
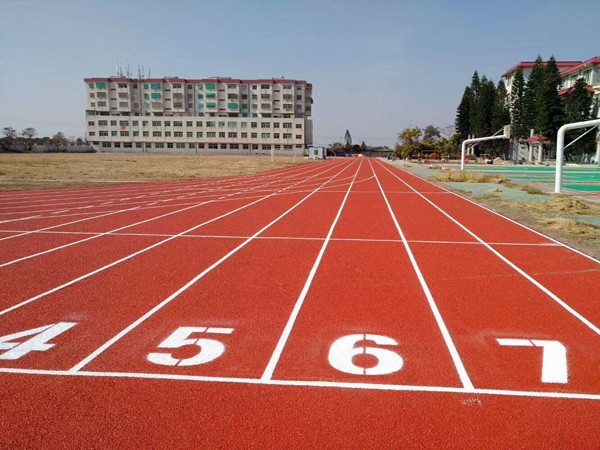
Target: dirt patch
x,y
586,231
565,205
43,171
464,176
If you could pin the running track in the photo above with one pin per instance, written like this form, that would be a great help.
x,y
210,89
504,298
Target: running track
x,y
346,303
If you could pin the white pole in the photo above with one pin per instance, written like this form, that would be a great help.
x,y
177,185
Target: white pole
x,y
463,147
598,152
560,148
540,152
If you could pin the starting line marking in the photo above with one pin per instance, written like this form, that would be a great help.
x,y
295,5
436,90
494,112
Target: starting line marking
x,y
306,383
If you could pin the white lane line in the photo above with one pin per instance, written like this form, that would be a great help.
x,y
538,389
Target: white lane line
x,y
458,364
98,235
190,283
25,233
20,218
306,238
272,364
307,383
500,215
132,255
525,275
68,194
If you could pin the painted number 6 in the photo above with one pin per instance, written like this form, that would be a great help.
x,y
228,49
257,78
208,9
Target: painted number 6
x,y
343,351
210,349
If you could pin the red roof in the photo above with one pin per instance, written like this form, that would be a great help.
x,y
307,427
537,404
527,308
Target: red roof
x,y
595,61
537,138
568,90
528,64
195,81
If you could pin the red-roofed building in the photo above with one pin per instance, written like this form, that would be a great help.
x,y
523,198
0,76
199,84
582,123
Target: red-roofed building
x,y
207,115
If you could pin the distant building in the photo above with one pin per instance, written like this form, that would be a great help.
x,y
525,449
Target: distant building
x,y
210,115
570,71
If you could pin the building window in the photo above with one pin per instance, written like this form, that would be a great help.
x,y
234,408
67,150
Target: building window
x,y
211,134
117,145
91,85
178,134
113,133
157,134
244,135
211,105
244,105
138,145
266,147
254,135
198,124
287,125
276,136
159,145
103,133
253,124
145,133
265,135
92,95
189,134
298,136
232,105
200,106
213,146
265,125
210,124
167,123
167,134
180,145
155,86
100,85
189,124
106,144
123,105
91,123
223,146
232,124
177,124
199,134
287,135
221,124
136,133
169,145
288,147
101,104
221,134
124,133
177,86
210,86
155,95
232,135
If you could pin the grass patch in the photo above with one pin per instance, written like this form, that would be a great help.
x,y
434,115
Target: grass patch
x,y
464,176
582,230
565,205
41,171
531,189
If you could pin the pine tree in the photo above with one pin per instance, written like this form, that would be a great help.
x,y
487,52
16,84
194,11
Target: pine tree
x,y
517,107
532,95
463,114
500,113
550,110
578,108
475,88
347,140
484,104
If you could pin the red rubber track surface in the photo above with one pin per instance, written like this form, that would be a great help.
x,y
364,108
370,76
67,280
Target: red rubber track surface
x,y
270,271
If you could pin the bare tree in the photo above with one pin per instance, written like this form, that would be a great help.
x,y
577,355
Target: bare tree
x,y
9,132
59,141
29,133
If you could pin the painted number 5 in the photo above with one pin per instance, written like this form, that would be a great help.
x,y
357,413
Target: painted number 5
x,y
343,351
210,349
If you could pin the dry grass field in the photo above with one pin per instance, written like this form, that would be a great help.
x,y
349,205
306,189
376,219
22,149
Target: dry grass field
x,y
54,170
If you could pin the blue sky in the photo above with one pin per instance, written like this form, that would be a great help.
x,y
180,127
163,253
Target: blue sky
x,y
376,66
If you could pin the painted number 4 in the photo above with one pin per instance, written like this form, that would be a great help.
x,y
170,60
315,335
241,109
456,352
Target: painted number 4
x,y
209,349
38,343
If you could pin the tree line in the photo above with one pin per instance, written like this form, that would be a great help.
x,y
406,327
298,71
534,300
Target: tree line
x,y
28,137
533,103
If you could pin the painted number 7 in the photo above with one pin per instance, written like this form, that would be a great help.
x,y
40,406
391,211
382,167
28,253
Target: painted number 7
x,y
554,358
209,349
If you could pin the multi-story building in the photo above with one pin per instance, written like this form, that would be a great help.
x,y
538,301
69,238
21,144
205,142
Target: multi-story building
x,y
211,115
570,71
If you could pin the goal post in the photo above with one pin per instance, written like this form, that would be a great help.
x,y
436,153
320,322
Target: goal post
x,y
505,135
560,148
